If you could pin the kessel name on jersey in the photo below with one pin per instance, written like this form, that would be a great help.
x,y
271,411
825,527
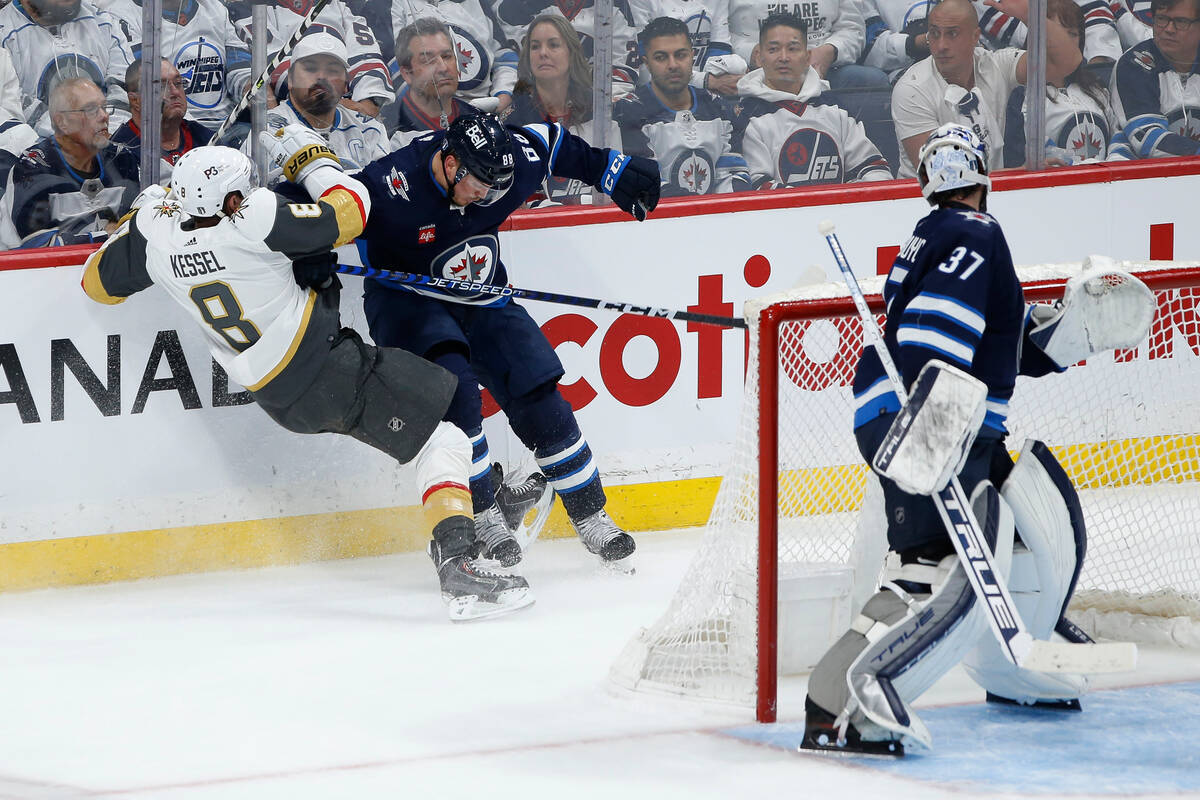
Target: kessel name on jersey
x,y
191,265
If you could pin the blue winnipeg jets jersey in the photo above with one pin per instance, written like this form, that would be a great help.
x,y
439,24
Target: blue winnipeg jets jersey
x,y
952,294
414,228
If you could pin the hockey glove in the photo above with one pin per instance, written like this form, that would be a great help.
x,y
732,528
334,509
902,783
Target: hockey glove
x,y
315,271
632,182
297,150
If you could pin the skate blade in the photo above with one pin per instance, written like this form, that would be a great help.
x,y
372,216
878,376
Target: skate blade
x,y
823,743
625,567
535,519
470,608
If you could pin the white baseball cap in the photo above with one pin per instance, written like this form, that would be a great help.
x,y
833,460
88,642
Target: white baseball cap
x,y
321,42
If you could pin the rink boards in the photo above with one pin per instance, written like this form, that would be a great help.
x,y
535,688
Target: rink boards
x,y
128,455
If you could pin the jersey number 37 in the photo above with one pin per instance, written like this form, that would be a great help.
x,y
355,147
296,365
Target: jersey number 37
x,y
951,264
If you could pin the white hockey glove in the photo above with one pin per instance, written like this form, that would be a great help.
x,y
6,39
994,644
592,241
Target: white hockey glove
x,y
929,439
1103,308
149,196
297,150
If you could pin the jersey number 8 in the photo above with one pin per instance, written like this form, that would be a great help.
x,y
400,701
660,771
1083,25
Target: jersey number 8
x,y
950,265
223,313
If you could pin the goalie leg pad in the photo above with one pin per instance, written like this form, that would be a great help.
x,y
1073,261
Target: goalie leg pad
x,y
902,643
930,437
1044,570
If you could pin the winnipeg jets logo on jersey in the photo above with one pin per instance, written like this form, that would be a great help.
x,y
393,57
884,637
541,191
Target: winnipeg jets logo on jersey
x,y
1085,135
62,67
810,156
474,61
397,184
201,64
473,260
1186,122
691,174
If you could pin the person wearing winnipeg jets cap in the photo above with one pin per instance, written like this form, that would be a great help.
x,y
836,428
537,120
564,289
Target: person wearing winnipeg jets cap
x,y
253,270
436,206
958,332
317,79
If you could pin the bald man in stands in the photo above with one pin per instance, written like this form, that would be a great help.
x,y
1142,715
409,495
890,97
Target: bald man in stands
x,y
964,83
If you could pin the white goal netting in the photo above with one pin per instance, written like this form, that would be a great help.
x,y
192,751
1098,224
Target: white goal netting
x,y
1125,426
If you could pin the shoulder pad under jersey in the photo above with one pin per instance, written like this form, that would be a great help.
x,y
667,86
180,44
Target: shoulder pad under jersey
x,y
256,217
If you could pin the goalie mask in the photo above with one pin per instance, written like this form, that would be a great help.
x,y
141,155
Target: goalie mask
x,y
205,176
484,149
953,157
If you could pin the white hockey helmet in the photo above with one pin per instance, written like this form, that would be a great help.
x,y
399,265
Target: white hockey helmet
x,y
953,157
205,176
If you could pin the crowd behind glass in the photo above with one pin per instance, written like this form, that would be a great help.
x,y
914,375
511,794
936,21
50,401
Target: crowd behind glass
x,y
727,95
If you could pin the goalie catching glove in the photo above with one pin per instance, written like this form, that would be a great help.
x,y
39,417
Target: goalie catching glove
x,y
1103,308
297,151
632,182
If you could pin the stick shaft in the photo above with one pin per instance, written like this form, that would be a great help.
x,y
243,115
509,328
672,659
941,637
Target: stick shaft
x,y
272,65
396,276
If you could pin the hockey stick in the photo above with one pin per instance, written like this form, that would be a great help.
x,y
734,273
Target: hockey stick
x,y
272,65
395,276
1016,643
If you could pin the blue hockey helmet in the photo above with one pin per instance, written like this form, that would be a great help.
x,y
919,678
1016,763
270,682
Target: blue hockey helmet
x,y
953,157
484,148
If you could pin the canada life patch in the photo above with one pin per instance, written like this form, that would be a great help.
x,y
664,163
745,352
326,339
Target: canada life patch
x,y
426,234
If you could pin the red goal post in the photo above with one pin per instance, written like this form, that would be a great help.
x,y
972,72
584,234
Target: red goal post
x,y
795,541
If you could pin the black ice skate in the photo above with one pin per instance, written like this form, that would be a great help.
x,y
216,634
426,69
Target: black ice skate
x,y
1069,704
821,732
474,593
516,500
601,536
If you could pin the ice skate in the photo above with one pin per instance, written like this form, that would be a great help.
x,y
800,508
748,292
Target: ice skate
x,y
494,540
601,536
474,593
823,731
525,505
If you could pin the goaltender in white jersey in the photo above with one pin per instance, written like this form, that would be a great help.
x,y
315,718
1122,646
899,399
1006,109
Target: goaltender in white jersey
x,y
256,273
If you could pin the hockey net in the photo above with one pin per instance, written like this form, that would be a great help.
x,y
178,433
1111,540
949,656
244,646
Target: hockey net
x,y
799,515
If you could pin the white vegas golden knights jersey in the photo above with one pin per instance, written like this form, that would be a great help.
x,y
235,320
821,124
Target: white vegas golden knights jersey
x,y
234,278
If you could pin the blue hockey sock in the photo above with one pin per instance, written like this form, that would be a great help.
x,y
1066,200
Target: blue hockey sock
x,y
569,468
483,493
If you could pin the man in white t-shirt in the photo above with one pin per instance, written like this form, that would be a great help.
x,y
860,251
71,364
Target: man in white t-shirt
x,y
964,83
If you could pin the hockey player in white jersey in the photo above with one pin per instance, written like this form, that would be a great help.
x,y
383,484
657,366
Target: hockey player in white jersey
x,y
256,273
788,133
487,60
198,37
54,40
317,80
370,82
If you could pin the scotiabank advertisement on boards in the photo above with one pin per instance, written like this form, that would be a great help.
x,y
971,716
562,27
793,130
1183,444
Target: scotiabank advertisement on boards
x,y
115,418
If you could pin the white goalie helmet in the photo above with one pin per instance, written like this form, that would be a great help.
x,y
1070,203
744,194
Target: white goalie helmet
x,y
205,176
953,157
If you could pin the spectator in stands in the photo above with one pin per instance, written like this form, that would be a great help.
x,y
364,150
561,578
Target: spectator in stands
x,y
707,24
687,130
836,37
516,15
178,134
1103,43
11,106
54,40
554,84
966,84
198,37
787,129
378,17
317,80
1133,20
1156,88
73,186
1079,118
487,60
895,35
370,82
429,66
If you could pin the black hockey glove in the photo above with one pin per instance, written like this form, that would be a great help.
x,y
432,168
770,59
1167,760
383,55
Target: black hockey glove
x,y
316,271
633,183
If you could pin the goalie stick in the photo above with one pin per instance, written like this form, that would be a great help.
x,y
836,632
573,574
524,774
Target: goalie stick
x,y
1005,622
272,65
395,276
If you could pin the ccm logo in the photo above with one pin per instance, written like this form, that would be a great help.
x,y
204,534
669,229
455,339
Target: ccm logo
x,y
614,169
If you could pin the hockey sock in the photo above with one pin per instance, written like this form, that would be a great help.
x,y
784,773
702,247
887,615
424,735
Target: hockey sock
x,y
544,421
483,492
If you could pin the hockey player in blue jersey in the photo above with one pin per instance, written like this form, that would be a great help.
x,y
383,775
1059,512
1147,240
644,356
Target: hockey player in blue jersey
x,y
956,313
436,207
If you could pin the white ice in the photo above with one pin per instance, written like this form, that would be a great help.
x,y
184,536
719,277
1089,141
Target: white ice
x,y
346,680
